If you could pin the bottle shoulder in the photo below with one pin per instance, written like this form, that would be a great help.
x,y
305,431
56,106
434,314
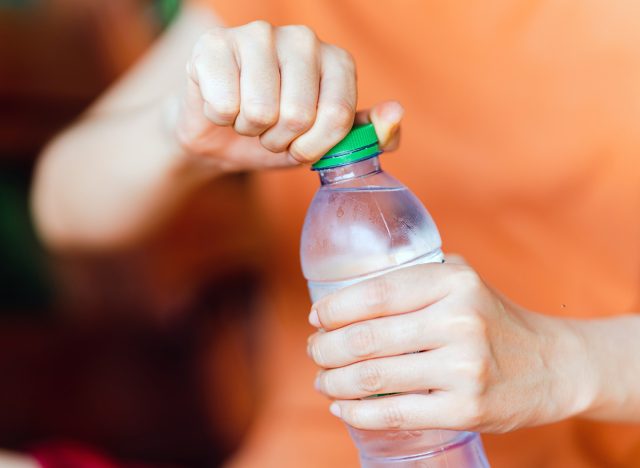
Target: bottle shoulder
x,y
379,180
369,224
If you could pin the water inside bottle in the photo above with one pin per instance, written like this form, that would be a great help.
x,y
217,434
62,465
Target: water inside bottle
x,y
359,230
369,229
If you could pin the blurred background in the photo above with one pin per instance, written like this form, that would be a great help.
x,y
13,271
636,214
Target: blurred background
x,y
177,352
114,354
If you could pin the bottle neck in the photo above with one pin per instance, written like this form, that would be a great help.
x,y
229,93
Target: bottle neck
x,y
349,171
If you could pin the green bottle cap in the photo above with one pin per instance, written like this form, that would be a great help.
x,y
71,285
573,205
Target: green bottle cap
x,y
359,144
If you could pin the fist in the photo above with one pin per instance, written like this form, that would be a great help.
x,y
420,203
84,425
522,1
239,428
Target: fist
x,y
263,96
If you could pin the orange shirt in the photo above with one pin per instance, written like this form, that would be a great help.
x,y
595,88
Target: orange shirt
x,y
522,138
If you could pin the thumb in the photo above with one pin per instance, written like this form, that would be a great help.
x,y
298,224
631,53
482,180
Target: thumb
x,y
386,117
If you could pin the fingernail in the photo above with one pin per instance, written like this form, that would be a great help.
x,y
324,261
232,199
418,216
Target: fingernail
x,y
393,112
314,319
335,409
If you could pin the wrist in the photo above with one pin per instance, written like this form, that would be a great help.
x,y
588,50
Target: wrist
x,y
611,351
574,383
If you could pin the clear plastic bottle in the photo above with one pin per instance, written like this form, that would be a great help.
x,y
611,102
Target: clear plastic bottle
x,y
362,223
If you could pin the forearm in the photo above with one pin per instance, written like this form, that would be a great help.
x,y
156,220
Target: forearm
x,y
110,179
612,351
15,460
594,365
119,170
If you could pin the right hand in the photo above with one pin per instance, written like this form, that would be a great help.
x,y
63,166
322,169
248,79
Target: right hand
x,y
261,96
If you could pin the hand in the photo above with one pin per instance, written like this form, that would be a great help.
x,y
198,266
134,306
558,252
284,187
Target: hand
x,y
461,356
263,96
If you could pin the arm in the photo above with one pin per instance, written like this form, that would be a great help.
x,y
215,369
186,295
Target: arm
x,y
612,349
250,97
118,170
15,460
489,364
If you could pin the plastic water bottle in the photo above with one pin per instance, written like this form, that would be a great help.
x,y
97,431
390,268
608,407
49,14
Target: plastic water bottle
x,y
362,223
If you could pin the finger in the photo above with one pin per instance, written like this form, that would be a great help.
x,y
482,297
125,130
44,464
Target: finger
x,y
404,290
214,69
198,135
259,78
386,117
394,141
336,106
386,336
405,412
398,374
297,48
455,259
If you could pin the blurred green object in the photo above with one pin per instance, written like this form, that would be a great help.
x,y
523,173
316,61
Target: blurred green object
x,y
167,10
17,3
24,281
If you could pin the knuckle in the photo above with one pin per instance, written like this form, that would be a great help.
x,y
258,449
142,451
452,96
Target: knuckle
x,y
471,325
340,114
362,340
260,115
318,357
213,39
380,291
303,35
317,353
302,154
268,142
327,383
258,28
369,378
260,25
476,371
302,30
337,53
197,66
221,112
355,416
329,310
392,416
297,119
344,57
467,279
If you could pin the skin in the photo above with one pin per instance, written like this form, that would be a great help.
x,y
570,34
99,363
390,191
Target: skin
x,y
14,460
206,100
209,100
480,354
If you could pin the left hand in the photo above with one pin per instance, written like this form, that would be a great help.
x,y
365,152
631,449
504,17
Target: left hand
x,y
461,356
